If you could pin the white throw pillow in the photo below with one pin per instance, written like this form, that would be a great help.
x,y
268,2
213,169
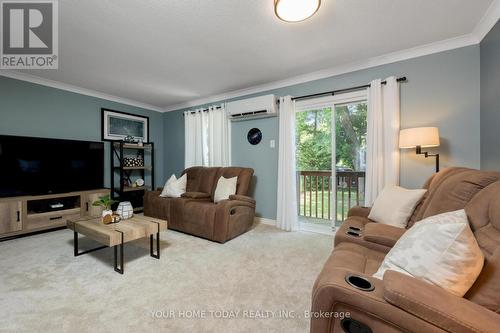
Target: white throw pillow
x,y
225,188
174,187
440,250
394,205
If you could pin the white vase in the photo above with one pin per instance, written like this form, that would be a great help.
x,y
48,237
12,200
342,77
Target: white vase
x,y
107,212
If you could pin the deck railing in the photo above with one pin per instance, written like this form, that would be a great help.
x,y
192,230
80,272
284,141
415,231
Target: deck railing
x,y
315,191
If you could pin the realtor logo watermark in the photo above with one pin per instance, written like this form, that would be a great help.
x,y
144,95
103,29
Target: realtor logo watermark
x,y
29,36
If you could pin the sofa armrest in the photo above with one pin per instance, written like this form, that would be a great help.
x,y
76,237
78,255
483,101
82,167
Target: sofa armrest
x,y
437,306
359,211
382,234
229,204
232,218
242,198
195,195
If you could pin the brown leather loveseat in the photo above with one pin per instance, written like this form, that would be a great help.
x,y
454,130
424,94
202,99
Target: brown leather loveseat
x,y
400,303
196,213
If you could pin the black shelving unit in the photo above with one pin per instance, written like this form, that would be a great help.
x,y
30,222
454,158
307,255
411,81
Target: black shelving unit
x,y
120,150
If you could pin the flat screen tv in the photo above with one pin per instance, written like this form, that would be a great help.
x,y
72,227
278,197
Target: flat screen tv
x,y
34,166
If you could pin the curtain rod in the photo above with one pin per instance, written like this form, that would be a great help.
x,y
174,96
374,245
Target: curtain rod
x,y
335,92
204,110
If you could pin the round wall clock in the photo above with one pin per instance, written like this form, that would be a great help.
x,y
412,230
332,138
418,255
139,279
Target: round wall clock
x,y
254,136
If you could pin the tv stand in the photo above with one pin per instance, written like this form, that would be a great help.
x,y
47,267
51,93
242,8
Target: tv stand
x,y
28,214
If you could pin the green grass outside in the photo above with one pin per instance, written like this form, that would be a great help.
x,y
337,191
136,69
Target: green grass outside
x,y
322,210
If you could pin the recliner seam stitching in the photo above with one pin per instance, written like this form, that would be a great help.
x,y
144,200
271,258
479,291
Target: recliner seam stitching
x,y
430,308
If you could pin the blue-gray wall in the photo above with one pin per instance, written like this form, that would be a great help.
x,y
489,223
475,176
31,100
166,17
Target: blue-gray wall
x,y
29,109
442,90
490,100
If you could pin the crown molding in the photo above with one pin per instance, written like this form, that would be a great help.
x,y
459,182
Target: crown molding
x,y
415,52
76,89
488,21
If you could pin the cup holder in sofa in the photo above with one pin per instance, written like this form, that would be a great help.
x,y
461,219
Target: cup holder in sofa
x,y
353,233
359,282
353,326
355,229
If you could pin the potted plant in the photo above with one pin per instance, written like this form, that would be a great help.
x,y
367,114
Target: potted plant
x,y
105,202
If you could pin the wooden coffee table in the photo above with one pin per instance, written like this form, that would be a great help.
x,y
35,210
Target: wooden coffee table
x,y
116,234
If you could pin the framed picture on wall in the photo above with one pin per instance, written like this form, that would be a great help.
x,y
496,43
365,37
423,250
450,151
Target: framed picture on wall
x,y
117,125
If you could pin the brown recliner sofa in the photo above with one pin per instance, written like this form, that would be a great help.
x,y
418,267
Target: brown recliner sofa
x,y
196,213
400,303
449,190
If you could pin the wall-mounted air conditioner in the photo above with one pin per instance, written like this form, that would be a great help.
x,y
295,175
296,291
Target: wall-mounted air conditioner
x,y
251,108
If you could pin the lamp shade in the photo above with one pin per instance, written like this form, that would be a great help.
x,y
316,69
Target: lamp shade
x,y
419,136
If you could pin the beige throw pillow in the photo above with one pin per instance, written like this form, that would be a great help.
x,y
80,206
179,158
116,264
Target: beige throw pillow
x,y
225,188
440,250
394,205
174,187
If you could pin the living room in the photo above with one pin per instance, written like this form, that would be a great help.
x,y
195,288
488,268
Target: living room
x,y
266,165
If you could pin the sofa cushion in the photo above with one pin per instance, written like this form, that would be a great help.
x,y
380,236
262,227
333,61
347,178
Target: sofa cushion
x,y
244,178
196,195
382,234
174,187
201,179
394,205
356,258
198,217
440,250
451,189
225,188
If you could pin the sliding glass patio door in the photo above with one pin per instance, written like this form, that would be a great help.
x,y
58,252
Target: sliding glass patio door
x,y
331,148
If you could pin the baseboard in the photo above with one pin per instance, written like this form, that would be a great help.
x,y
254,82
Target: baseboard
x,y
305,227
264,220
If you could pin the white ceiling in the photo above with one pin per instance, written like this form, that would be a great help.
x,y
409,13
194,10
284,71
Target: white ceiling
x,y
167,52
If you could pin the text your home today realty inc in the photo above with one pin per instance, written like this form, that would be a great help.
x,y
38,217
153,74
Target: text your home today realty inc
x,y
244,314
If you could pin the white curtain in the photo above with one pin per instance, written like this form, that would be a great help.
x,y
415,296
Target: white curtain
x,y
218,137
207,137
382,152
287,218
195,146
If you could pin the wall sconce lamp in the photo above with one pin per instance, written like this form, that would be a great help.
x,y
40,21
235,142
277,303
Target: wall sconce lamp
x,y
418,138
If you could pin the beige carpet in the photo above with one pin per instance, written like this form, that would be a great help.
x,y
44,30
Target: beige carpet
x,y
256,279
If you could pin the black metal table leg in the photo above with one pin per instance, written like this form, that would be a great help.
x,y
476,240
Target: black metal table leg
x,y
151,250
121,268
75,246
75,243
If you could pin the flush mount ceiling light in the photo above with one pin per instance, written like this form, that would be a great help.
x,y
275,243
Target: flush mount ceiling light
x,y
295,10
